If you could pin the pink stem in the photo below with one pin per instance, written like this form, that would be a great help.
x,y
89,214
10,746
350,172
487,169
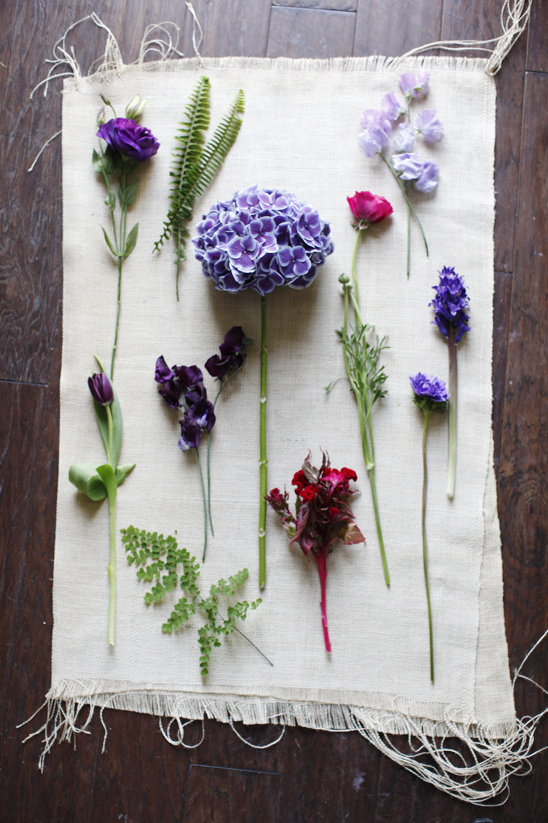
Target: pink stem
x,y
321,561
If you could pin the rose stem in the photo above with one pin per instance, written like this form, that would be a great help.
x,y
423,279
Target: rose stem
x,y
424,543
262,458
321,562
205,502
452,420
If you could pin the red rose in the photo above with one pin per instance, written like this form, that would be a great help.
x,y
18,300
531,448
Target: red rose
x,y
367,206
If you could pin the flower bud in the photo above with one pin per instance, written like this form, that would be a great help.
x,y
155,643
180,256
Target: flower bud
x,y
344,279
101,389
101,116
135,109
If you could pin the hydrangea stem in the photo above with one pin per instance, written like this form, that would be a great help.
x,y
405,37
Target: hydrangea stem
x,y
263,476
424,543
452,419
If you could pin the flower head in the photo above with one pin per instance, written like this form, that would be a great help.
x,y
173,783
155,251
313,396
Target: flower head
x,y
451,304
260,239
233,350
428,178
101,389
369,207
429,125
405,138
128,139
135,109
414,85
392,106
376,131
429,392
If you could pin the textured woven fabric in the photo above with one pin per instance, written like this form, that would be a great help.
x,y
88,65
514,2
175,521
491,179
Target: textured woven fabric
x,y
300,133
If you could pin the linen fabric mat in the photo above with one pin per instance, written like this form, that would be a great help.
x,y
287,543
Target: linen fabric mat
x,y
299,132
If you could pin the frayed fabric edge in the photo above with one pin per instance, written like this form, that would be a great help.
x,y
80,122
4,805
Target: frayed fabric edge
x,y
476,768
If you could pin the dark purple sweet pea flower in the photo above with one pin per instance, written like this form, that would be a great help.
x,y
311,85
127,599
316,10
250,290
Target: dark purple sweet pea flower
x,y
162,373
451,304
429,125
101,389
202,413
233,350
170,387
191,377
191,434
128,138
428,391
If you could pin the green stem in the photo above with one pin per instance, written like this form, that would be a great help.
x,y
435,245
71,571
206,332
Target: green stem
x,y
118,307
263,477
452,421
354,273
112,566
409,240
204,498
209,483
373,484
424,543
121,253
403,188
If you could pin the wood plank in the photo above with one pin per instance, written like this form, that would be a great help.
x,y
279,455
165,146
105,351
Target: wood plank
x,y
390,27
238,28
501,320
221,746
219,795
537,37
473,20
329,5
296,32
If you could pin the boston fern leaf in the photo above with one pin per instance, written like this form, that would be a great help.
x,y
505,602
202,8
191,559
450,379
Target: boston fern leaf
x,y
195,164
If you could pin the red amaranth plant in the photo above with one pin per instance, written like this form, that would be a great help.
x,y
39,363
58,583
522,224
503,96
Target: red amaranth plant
x,y
322,516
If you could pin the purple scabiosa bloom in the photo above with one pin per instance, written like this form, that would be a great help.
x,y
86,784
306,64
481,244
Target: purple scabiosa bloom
x,y
233,355
428,178
429,390
408,165
261,239
414,85
451,304
404,139
129,139
429,125
376,131
101,389
392,107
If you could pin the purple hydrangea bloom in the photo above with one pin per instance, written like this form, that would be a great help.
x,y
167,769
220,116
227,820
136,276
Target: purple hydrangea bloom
x,y
451,304
429,125
430,389
404,139
128,138
428,178
392,107
261,239
414,85
101,389
376,131
408,165
233,350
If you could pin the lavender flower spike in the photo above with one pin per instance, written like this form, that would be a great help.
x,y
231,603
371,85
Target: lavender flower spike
x,y
451,317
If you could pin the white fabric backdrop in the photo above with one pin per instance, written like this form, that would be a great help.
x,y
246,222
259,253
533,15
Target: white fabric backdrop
x,y
299,132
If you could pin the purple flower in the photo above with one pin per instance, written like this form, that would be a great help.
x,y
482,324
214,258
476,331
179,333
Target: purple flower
x,y
101,389
405,138
451,304
233,350
376,131
261,239
429,176
191,377
414,85
191,434
428,391
408,165
429,125
392,106
128,138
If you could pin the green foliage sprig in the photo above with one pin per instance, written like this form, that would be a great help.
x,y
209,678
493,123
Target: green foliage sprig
x,y
157,559
196,163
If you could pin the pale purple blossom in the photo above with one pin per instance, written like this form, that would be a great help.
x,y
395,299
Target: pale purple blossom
x,y
429,176
376,131
414,85
429,125
407,165
392,107
404,139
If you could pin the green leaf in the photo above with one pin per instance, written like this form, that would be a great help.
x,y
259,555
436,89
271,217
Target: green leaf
x,y
117,426
86,479
110,201
97,161
109,244
131,241
122,472
107,475
128,194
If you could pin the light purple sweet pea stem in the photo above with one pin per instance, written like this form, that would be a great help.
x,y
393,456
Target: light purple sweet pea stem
x,y
410,210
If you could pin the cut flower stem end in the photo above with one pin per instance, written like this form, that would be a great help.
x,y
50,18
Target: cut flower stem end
x,y
263,470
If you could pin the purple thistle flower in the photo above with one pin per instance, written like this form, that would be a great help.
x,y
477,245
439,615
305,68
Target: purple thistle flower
x,y
451,304
101,389
429,125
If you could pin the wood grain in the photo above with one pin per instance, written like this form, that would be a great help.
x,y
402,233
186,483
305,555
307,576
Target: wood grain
x,y
390,27
330,5
310,33
234,28
537,45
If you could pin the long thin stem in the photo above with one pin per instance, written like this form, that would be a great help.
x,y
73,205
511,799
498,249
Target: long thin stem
x,y
405,193
424,543
121,248
263,471
354,273
111,568
204,497
321,562
452,421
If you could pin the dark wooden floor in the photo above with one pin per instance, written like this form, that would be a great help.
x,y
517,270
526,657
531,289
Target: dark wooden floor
x,y
309,776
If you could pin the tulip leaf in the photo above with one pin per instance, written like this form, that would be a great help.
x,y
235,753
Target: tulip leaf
x,y
108,476
86,479
122,472
131,240
109,244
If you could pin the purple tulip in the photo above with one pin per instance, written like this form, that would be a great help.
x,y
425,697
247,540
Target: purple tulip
x,y
101,389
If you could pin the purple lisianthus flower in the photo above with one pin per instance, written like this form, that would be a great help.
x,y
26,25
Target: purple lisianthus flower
x,y
428,178
392,107
128,138
429,391
408,165
451,304
376,131
414,85
233,355
242,243
429,125
404,139
101,389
